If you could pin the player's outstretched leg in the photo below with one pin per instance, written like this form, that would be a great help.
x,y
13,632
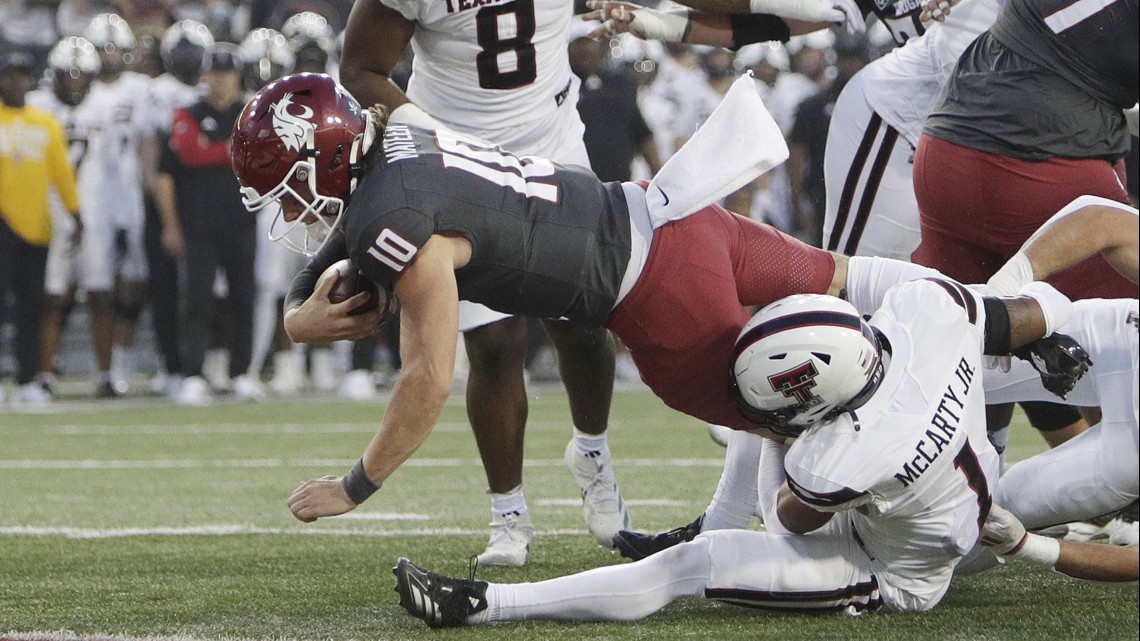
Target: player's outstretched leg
x,y
440,601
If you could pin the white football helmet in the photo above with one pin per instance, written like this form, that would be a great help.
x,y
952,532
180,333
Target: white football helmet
x,y
113,39
804,359
183,45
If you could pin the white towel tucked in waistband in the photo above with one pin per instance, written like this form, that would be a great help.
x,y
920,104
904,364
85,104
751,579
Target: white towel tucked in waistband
x,y
738,142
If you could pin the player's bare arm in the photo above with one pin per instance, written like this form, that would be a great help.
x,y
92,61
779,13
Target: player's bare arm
x,y
374,41
799,517
1006,535
1084,228
694,27
429,327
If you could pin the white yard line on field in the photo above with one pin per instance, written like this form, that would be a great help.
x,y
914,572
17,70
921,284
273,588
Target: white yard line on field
x,y
162,464
234,529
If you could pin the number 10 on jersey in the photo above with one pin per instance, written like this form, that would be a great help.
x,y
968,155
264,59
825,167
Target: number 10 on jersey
x,y
497,166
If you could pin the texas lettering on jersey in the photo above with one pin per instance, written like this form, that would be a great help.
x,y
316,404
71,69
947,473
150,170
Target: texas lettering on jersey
x,y
463,5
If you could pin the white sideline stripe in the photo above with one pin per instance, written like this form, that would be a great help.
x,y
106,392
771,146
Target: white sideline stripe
x,y
165,464
384,516
232,530
630,502
67,635
156,429
160,429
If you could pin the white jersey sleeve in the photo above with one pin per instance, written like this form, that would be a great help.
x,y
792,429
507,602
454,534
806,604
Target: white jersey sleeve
x,y
488,69
903,85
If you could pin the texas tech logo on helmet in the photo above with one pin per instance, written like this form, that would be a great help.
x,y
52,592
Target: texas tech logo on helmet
x,y
797,383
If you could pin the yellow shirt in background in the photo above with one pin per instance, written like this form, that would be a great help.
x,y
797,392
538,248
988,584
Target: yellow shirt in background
x,y
33,155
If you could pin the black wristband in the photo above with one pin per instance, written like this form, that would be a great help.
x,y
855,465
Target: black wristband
x,y
357,484
997,327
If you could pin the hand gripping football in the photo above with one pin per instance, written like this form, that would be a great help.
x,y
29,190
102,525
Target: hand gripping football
x,y
350,282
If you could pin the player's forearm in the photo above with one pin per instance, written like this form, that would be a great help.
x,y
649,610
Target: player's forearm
x,y
1099,562
164,201
416,404
1064,242
371,87
718,6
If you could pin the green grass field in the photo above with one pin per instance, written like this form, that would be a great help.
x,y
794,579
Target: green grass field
x,y
156,521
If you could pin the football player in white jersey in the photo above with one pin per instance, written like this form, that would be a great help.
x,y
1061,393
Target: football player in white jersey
x,y
871,207
181,49
889,470
74,63
1098,471
500,72
116,149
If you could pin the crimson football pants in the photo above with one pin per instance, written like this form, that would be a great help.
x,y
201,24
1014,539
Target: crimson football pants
x,y
977,209
681,320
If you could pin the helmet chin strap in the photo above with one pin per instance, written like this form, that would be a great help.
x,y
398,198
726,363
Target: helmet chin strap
x,y
360,146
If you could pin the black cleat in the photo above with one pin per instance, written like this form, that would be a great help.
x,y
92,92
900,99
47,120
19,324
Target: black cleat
x,y
441,601
637,545
107,389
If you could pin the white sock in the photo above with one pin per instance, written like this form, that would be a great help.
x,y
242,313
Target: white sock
x,y
590,445
511,502
123,362
735,498
264,326
769,482
999,438
626,592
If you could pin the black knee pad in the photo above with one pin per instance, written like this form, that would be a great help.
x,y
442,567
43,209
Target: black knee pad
x,y
1050,417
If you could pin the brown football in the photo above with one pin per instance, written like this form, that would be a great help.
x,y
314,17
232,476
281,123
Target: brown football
x,y
350,282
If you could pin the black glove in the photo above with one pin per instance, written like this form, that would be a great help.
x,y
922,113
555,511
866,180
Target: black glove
x,y
1060,360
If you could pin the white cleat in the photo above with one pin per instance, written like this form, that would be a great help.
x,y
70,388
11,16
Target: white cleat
x,y
32,395
195,392
602,505
511,536
247,388
1123,531
358,386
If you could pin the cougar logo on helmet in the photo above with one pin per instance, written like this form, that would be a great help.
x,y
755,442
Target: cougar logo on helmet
x,y
291,128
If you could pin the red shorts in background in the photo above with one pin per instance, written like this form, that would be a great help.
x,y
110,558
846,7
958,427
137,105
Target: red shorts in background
x,y
978,208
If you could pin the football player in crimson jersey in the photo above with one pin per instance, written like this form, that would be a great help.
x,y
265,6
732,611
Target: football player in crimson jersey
x,y
434,218
500,71
533,239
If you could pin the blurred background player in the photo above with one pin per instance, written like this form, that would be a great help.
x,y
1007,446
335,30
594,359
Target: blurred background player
x,y
502,73
181,49
73,64
120,148
200,204
268,56
28,169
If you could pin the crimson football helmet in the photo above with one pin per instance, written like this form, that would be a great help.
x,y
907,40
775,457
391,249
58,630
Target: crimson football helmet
x,y
802,360
302,133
